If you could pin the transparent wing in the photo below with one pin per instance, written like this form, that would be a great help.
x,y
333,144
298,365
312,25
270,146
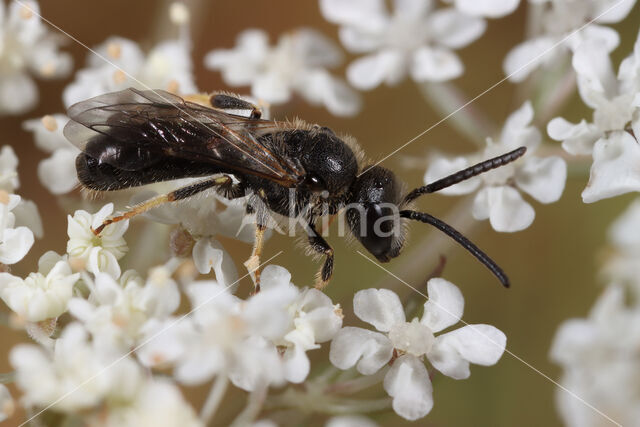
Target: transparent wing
x,y
150,125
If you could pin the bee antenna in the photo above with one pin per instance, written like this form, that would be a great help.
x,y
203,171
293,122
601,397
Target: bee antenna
x,y
465,174
463,241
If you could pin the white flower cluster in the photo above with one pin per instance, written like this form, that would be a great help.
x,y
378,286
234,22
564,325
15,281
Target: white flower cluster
x,y
561,26
414,39
599,356
256,342
27,48
498,198
612,135
19,218
406,344
297,63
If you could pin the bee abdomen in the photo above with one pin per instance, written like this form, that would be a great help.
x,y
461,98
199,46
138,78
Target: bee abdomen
x,y
101,176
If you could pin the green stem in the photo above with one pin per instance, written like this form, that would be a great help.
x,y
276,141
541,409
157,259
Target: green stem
x,y
255,403
451,103
358,384
217,392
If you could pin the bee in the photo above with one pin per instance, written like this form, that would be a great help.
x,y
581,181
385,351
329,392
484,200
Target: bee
x,y
289,168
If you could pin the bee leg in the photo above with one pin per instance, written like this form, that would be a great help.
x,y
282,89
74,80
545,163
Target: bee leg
x,y
234,105
253,263
178,194
320,245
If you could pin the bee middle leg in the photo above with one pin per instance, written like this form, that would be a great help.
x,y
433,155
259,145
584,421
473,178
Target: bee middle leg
x,y
223,181
320,245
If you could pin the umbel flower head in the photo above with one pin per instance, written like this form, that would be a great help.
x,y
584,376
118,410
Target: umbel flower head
x,y
612,135
298,63
415,39
498,198
406,344
599,358
27,48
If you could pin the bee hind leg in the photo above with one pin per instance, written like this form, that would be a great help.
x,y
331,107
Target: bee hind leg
x,y
178,194
235,105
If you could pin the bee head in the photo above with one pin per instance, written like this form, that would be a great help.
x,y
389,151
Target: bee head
x,y
373,212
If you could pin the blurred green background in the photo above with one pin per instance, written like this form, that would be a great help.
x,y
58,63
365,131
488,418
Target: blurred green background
x,y
553,264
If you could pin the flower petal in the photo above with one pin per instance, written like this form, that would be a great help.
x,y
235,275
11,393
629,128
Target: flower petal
x,y
542,179
435,64
379,307
487,8
517,130
455,30
612,11
58,173
16,242
408,383
441,167
209,254
296,364
479,344
370,71
576,138
445,305
18,93
523,59
371,15
615,169
504,207
368,351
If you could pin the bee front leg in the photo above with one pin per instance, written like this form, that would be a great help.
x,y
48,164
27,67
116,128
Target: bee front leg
x,y
320,245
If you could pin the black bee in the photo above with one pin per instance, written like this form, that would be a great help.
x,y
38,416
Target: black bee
x,y
293,169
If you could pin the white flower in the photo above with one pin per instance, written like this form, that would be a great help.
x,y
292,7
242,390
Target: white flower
x,y
261,340
58,172
499,199
223,335
599,356
27,47
413,39
158,403
7,405
8,169
113,311
314,319
298,63
101,253
42,295
81,370
564,30
408,380
612,136
167,66
15,242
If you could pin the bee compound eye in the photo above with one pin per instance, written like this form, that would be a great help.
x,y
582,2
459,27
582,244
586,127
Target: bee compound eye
x,y
315,183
